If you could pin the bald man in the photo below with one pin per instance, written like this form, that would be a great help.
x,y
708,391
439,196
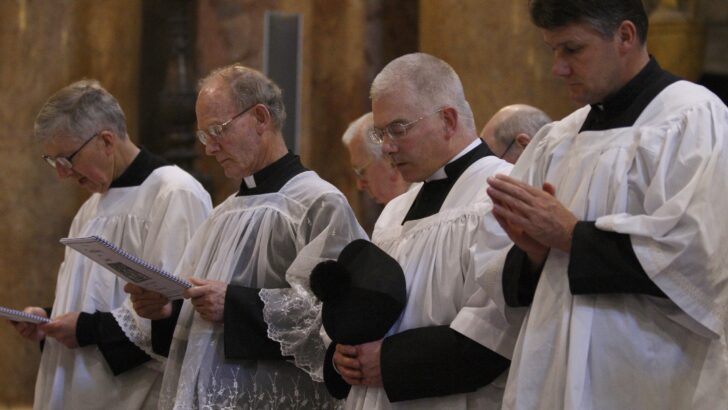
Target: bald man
x,y
375,174
509,131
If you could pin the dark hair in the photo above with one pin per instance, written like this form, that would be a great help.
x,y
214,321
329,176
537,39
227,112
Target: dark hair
x,y
603,15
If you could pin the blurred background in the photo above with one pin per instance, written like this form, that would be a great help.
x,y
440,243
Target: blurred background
x,y
151,53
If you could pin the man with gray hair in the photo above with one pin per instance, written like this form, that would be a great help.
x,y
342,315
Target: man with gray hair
x,y
449,349
509,131
375,173
250,336
96,351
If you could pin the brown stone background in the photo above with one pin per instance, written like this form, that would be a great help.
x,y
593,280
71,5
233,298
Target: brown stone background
x,y
45,44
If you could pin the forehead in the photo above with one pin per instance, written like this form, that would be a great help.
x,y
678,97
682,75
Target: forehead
x,y
60,145
214,102
400,104
357,147
570,34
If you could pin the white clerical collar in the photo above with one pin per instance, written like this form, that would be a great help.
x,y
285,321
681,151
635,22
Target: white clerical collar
x,y
249,181
440,173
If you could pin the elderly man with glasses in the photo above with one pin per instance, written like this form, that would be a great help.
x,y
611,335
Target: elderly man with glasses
x,y
375,173
249,335
450,348
97,353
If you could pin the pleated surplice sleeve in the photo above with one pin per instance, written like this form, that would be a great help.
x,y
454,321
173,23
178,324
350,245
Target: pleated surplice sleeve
x,y
681,237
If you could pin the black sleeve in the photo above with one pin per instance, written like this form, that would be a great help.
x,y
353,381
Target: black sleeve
x,y
519,279
436,361
48,311
335,384
246,333
163,330
604,262
101,329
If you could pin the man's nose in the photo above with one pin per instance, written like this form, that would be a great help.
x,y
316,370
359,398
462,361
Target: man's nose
x,y
211,147
63,172
361,184
388,146
560,67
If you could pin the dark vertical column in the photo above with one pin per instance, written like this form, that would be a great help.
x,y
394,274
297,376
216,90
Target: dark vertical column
x,y
168,83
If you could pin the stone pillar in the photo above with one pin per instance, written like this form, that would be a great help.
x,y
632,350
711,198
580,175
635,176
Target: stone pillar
x,y
44,45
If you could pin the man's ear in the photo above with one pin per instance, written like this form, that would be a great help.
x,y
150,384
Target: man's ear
x,y
450,118
110,140
627,37
523,140
262,118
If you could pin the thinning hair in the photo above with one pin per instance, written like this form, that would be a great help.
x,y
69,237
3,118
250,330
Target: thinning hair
x,y
604,16
525,120
433,84
80,110
360,127
249,87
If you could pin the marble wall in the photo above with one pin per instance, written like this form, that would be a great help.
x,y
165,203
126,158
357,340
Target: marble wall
x,y
45,45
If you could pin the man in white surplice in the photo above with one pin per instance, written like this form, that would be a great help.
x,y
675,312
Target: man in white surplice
x,y
97,352
250,336
450,347
617,213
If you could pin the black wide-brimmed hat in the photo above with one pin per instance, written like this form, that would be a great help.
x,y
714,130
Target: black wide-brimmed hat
x,y
363,293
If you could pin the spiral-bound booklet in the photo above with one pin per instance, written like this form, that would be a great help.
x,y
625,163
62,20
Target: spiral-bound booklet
x,y
20,316
129,267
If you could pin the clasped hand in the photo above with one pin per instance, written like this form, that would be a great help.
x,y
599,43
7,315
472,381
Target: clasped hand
x,y
360,364
533,218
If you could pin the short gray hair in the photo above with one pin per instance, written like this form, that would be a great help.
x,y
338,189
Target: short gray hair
x,y
80,110
525,120
361,126
431,79
249,87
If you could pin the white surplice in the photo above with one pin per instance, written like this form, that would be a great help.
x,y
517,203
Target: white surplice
x,y
153,221
270,241
440,255
664,182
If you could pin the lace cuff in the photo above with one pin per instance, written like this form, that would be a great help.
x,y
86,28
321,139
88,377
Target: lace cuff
x,y
293,316
136,329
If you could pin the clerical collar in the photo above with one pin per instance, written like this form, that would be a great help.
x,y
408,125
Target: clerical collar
x,y
433,193
272,178
448,171
140,168
622,108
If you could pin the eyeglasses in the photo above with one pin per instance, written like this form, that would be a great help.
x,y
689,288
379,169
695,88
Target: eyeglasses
x,y
507,149
360,170
395,130
214,132
66,162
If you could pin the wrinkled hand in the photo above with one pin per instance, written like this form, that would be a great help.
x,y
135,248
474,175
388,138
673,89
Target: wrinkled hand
x,y
148,304
533,216
369,356
30,331
346,363
63,329
208,298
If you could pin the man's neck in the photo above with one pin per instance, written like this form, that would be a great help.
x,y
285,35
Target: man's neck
x,y
124,154
271,152
458,150
634,66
